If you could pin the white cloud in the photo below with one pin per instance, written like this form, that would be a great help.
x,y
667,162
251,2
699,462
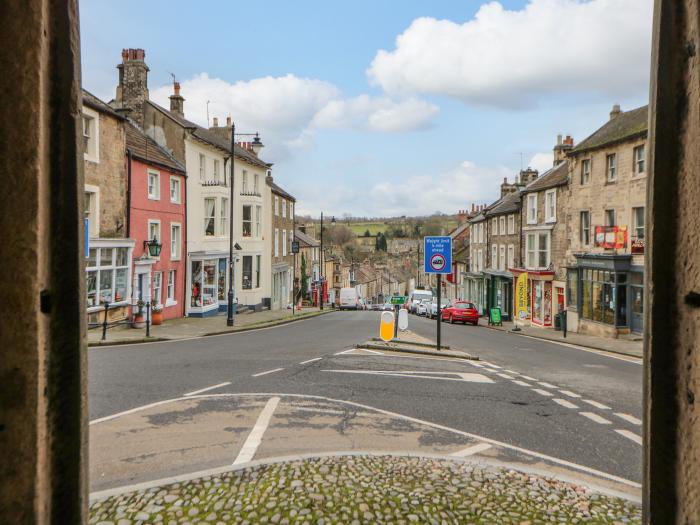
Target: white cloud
x,y
510,58
414,195
542,161
288,110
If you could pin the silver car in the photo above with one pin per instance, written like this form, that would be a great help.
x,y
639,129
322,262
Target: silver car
x,y
432,310
422,307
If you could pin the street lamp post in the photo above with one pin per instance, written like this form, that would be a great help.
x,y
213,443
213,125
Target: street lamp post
x,y
257,145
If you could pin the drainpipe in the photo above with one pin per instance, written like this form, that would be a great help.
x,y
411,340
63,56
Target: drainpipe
x,y
128,193
183,244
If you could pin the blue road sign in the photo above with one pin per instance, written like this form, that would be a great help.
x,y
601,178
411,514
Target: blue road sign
x,y
438,254
86,226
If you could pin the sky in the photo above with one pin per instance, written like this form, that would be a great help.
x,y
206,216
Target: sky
x,y
385,108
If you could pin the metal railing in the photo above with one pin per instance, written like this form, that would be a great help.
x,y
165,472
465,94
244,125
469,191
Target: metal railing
x,y
105,324
214,182
250,193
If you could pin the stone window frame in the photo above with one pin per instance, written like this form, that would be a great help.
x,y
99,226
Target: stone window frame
x,y
636,227
586,173
611,168
511,224
586,230
532,217
547,217
94,210
636,161
511,256
502,225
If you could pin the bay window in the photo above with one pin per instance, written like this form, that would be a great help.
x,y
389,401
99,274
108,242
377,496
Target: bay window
x,y
107,276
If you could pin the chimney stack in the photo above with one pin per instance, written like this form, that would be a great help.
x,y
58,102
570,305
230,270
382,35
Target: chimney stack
x,y
462,216
177,102
507,188
615,111
216,122
562,148
132,90
228,121
527,176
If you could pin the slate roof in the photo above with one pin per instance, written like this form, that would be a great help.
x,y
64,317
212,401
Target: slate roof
x,y
279,191
146,149
305,239
212,137
627,125
95,103
508,204
556,176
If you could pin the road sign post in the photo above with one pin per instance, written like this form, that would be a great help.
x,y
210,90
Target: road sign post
x,y
437,253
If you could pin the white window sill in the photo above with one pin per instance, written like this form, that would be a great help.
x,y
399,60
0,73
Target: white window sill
x,y
92,309
170,302
153,198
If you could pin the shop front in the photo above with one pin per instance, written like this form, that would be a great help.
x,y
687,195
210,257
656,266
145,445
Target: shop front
x,y
499,292
610,294
108,276
475,285
207,284
281,286
541,296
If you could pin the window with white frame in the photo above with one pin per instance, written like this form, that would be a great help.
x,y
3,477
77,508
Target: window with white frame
x,y
223,217
494,256
209,216
171,287
276,211
585,171
156,297
202,167
216,170
247,221
585,228
511,224
284,208
638,222
153,185
537,248
91,134
154,230
481,260
502,225
91,210
107,271
532,208
284,243
611,167
175,190
511,256
481,231
550,206
258,218
175,241
244,182
256,184
277,242
494,226
639,160
502,257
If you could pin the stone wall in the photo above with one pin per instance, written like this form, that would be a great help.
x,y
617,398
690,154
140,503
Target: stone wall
x,y
504,240
109,174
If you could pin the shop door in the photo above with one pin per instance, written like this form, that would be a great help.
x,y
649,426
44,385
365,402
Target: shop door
x,y
560,300
637,319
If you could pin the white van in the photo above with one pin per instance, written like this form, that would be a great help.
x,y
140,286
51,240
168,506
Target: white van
x,y
416,297
349,299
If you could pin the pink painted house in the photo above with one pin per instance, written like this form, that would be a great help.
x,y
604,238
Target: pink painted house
x,y
157,222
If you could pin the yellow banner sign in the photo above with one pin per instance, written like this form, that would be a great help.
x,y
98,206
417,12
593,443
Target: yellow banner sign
x,y
521,297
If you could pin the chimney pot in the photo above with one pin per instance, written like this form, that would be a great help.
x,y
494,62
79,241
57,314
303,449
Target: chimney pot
x,y
216,122
176,88
559,139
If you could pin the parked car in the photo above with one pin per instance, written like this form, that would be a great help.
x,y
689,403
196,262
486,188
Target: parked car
x,y
415,297
432,311
423,307
388,307
461,311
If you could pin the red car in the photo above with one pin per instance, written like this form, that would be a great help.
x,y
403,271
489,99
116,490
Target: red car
x,y
460,311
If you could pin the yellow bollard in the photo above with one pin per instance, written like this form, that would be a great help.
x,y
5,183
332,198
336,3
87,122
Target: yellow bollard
x,y
386,326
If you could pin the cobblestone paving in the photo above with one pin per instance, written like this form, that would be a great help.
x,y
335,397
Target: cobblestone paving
x,y
365,490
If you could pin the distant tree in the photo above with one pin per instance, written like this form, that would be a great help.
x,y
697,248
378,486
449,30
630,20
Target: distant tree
x,y
433,226
304,278
367,234
380,243
340,234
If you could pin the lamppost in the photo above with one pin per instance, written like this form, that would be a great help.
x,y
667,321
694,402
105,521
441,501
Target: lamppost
x,y
257,146
322,276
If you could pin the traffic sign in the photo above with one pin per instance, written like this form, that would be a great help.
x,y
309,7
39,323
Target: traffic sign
x,y
437,254
398,299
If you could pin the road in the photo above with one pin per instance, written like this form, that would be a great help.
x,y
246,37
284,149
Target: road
x,y
302,389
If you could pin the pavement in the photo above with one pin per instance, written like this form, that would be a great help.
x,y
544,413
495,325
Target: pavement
x,y
171,408
631,346
189,327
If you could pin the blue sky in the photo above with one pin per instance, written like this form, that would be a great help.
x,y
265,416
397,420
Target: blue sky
x,y
392,107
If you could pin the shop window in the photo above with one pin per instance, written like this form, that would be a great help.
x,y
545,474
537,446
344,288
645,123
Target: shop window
x,y
107,276
209,295
196,290
221,280
247,273
247,221
600,297
209,216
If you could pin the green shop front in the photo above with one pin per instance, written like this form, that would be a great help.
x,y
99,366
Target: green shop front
x,y
475,290
499,292
609,294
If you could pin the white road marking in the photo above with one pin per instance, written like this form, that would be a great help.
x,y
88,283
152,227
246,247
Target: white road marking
x,y
437,426
596,418
491,365
596,404
629,435
564,403
546,385
542,392
505,376
348,351
470,451
268,372
252,442
569,393
527,378
208,388
375,352
310,360
521,383
511,372
461,376
629,418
